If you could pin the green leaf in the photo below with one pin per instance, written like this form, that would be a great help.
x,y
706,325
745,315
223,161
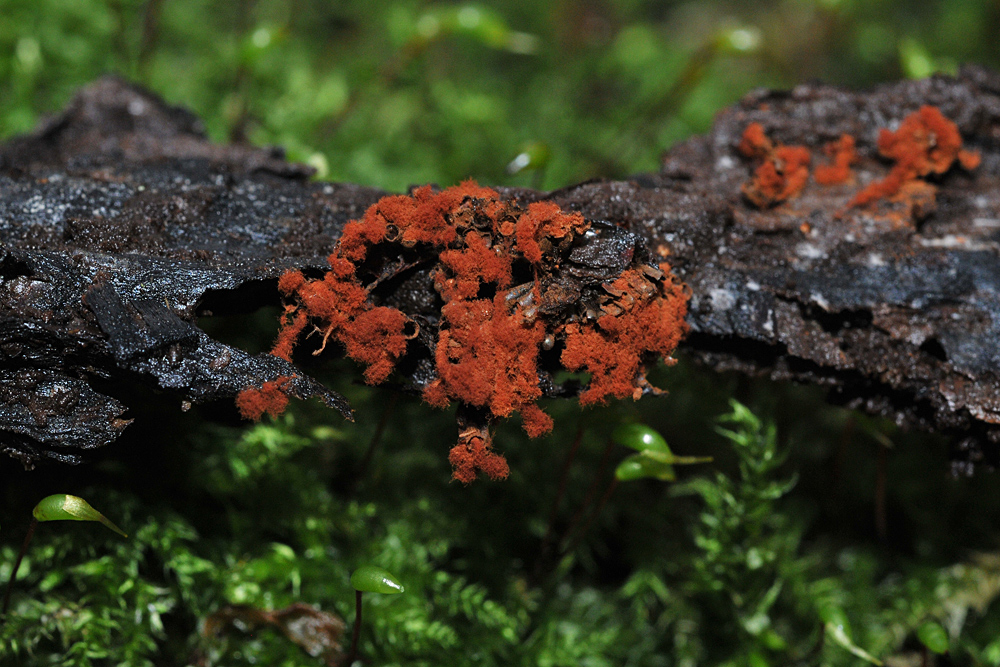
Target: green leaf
x,y
371,579
933,636
837,634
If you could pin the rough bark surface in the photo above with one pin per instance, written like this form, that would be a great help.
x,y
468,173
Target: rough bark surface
x,y
120,224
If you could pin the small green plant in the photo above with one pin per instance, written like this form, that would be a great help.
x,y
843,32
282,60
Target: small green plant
x,y
368,579
654,461
837,632
743,540
59,507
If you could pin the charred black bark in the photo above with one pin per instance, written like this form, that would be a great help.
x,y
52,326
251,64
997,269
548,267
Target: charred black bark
x,y
117,217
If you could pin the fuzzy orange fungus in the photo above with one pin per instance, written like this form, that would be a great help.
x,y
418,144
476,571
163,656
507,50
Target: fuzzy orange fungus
x,y
613,350
488,332
842,155
270,398
488,357
536,421
544,220
474,453
754,142
926,143
783,172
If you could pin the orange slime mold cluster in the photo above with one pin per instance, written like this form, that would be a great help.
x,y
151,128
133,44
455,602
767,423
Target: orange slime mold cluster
x,y
490,332
649,319
842,155
783,172
474,454
270,398
925,143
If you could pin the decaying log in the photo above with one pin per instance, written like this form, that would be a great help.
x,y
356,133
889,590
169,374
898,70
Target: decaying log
x,y
121,223
116,219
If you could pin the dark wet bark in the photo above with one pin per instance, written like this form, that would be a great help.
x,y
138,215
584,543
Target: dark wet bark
x,y
120,224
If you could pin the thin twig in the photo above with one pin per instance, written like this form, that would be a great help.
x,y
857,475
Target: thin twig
x,y
593,515
563,480
881,472
840,458
150,37
589,498
377,436
356,632
17,565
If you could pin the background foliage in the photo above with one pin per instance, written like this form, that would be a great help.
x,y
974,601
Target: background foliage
x,y
816,537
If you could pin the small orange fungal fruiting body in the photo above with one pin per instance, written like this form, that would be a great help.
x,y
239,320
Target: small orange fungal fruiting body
x,y
754,142
489,333
612,350
781,175
474,454
842,155
270,398
925,143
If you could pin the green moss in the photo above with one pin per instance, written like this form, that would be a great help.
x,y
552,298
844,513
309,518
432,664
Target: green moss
x,y
267,520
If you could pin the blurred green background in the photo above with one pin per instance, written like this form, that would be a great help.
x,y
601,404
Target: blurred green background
x,y
396,93
829,539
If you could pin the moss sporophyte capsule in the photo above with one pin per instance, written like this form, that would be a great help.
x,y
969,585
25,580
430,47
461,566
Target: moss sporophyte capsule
x,y
371,579
654,460
640,437
64,507
639,466
368,579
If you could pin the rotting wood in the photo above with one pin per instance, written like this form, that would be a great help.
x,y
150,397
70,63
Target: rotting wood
x,y
120,222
